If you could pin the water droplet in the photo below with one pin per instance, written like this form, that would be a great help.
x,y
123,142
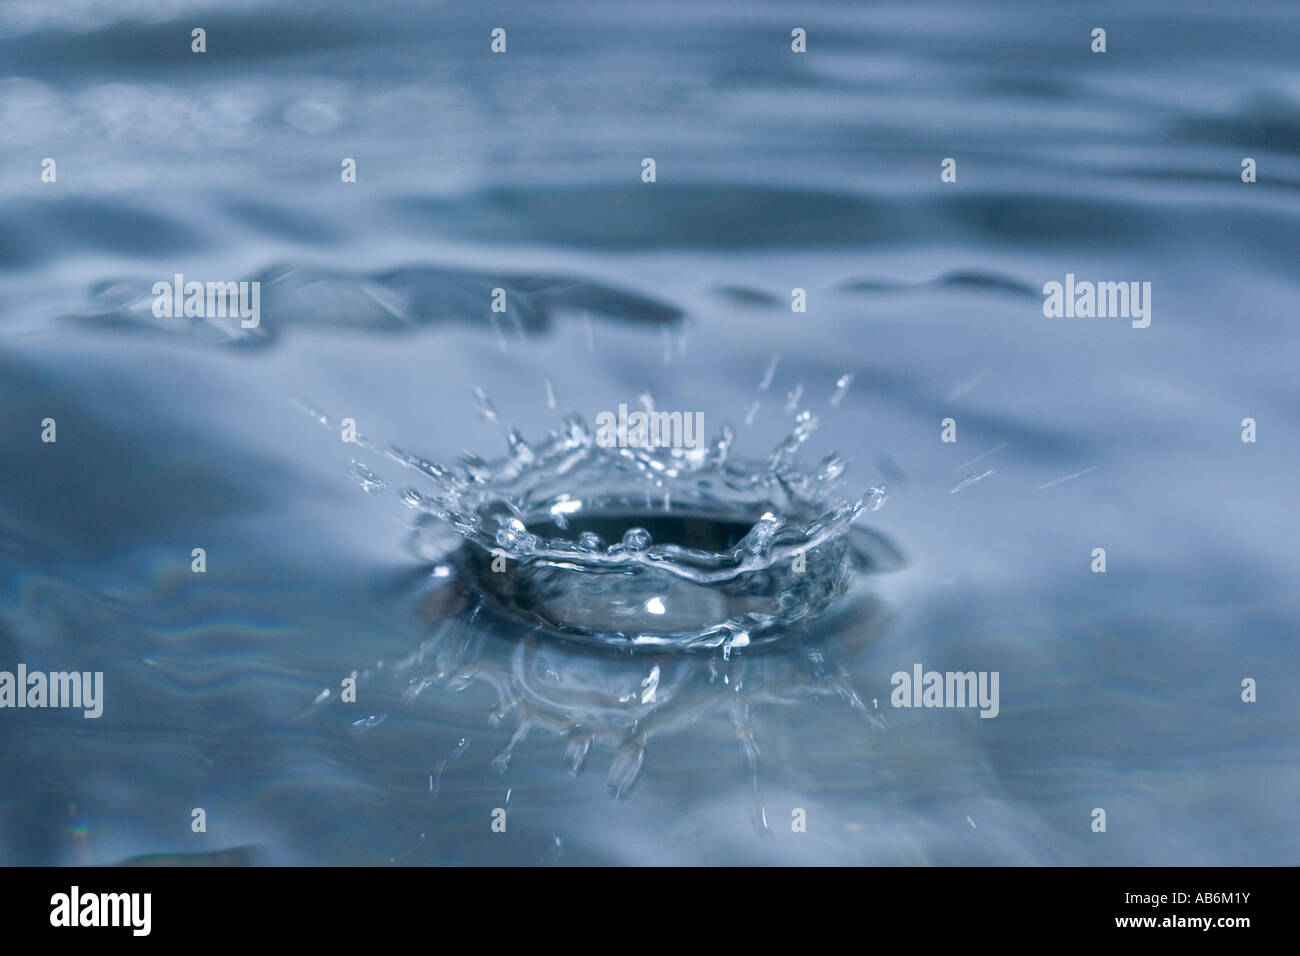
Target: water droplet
x,y
371,482
514,536
486,409
793,398
760,537
831,467
841,388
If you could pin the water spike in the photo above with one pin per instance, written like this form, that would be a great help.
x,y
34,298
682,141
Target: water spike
x,y
805,424
477,469
442,476
520,450
722,447
831,467
874,499
371,482
576,434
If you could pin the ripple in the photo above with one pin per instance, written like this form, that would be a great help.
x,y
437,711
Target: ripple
x,y
399,300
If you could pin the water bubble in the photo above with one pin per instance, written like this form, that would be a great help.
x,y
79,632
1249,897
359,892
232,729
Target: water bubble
x,y
636,539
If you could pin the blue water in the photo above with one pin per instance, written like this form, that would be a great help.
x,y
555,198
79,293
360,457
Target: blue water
x,y
775,170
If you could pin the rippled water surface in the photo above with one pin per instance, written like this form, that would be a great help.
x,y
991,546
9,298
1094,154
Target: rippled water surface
x,y
775,171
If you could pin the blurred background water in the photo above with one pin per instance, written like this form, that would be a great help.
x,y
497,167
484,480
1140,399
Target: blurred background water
x,y
775,170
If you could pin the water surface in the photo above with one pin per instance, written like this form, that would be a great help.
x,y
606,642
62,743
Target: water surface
x,y
775,171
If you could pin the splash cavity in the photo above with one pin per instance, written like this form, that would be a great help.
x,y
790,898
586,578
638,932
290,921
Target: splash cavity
x,y
642,546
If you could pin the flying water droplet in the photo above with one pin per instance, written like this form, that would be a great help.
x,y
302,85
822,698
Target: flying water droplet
x,y
371,482
841,388
485,407
793,398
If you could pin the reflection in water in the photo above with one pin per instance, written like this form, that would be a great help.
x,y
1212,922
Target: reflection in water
x,y
390,302
710,553
818,171
606,698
